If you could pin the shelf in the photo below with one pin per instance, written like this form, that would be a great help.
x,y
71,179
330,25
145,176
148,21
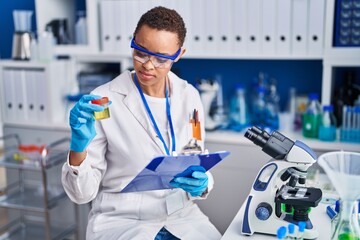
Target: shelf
x,y
17,230
54,158
64,126
31,198
229,137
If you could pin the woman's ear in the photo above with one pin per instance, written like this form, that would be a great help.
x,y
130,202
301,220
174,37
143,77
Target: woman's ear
x,y
183,50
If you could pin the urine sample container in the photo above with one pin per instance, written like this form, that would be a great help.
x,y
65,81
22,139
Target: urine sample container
x,y
104,101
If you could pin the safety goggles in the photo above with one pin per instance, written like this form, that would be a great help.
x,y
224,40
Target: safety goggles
x,y
158,60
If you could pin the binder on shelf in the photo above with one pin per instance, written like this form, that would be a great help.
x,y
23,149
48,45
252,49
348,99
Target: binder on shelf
x,y
183,7
121,43
283,26
239,28
20,95
31,96
132,16
211,10
316,27
267,41
197,38
225,26
299,27
42,94
9,95
107,26
253,27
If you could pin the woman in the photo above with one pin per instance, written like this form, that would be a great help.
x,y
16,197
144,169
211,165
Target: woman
x,y
149,117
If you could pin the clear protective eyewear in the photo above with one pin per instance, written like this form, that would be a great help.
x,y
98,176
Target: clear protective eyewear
x,y
158,60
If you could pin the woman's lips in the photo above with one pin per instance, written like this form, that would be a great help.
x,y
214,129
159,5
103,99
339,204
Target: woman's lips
x,y
146,76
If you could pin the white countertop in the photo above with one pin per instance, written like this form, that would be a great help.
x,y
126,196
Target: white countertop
x,y
231,137
317,215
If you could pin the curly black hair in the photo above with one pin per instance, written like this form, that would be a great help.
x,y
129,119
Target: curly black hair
x,y
162,18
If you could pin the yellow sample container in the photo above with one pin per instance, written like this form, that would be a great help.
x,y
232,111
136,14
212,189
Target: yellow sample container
x,y
104,101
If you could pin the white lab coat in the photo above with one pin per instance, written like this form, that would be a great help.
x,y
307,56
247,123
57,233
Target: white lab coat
x,y
123,146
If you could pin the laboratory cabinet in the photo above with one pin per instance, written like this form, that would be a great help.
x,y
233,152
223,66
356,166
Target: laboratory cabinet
x,y
33,200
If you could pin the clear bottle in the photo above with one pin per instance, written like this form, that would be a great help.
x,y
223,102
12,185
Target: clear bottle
x,y
259,108
272,106
327,128
239,116
81,29
291,108
312,117
46,45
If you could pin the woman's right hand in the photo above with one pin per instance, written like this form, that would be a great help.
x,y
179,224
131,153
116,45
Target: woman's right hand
x,y
82,122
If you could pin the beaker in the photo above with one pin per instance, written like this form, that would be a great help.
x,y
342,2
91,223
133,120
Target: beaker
x,y
343,170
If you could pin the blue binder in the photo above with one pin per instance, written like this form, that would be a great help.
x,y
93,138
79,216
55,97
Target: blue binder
x,y
161,170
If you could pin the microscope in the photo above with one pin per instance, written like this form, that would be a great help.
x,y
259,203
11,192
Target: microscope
x,y
278,195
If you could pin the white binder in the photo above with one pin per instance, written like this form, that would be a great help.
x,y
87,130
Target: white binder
x,y
107,26
283,25
239,28
132,17
42,100
197,37
253,27
267,40
299,27
119,26
20,95
31,96
9,95
211,26
183,7
225,26
316,27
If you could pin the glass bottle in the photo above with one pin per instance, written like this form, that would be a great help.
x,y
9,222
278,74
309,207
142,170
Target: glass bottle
x,y
81,29
347,225
327,128
291,108
312,117
239,116
272,106
259,108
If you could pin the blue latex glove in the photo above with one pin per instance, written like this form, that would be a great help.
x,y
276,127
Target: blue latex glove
x,y
82,122
193,180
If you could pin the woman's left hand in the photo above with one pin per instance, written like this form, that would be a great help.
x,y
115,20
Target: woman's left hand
x,y
193,180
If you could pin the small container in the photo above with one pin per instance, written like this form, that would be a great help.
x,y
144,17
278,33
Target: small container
x,y
104,101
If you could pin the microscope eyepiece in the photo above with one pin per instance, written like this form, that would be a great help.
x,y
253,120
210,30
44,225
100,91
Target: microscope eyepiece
x,y
276,145
257,136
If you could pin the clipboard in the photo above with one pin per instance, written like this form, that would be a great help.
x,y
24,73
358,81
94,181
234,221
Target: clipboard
x,y
161,170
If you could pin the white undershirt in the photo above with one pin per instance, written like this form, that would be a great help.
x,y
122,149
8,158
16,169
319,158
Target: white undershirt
x,y
158,110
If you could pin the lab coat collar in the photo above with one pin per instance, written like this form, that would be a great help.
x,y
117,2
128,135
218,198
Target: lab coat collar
x,y
124,85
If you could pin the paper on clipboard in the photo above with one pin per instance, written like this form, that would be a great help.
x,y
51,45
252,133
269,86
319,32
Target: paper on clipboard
x,y
161,170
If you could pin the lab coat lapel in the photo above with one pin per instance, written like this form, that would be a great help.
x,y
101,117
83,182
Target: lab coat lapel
x,y
135,105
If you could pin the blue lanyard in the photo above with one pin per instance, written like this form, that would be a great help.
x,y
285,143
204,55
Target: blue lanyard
x,y
153,119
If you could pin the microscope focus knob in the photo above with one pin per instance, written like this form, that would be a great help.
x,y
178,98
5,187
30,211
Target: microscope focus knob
x,y
263,211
